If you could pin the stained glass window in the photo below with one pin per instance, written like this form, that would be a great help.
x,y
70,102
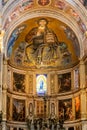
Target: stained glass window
x,y
41,84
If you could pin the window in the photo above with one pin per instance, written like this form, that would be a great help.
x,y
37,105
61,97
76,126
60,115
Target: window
x,y
41,84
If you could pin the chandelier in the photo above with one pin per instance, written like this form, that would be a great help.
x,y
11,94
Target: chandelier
x,y
44,123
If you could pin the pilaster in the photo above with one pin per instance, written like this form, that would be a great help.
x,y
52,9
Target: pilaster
x,y
84,126
3,69
83,92
1,66
48,84
82,74
73,108
72,80
11,103
34,84
83,105
27,83
4,125
4,94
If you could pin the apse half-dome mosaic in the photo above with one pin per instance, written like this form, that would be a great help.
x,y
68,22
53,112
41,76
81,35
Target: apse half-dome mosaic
x,y
43,42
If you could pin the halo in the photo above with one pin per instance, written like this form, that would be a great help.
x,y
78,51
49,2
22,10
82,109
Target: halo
x,y
43,18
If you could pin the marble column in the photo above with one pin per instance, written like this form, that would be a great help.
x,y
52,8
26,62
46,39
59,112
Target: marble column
x,y
1,74
4,94
83,105
83,91
66,128
4,125
4,89
1,66
84,126
82,74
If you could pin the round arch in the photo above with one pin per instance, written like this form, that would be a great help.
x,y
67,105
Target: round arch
x,y
53,14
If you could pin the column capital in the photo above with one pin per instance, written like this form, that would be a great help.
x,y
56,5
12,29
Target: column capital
x,y
5,62
2,32
5,86
1,40
82,62
82,74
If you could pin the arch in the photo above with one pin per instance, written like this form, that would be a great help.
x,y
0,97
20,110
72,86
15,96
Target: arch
x,y
53,14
